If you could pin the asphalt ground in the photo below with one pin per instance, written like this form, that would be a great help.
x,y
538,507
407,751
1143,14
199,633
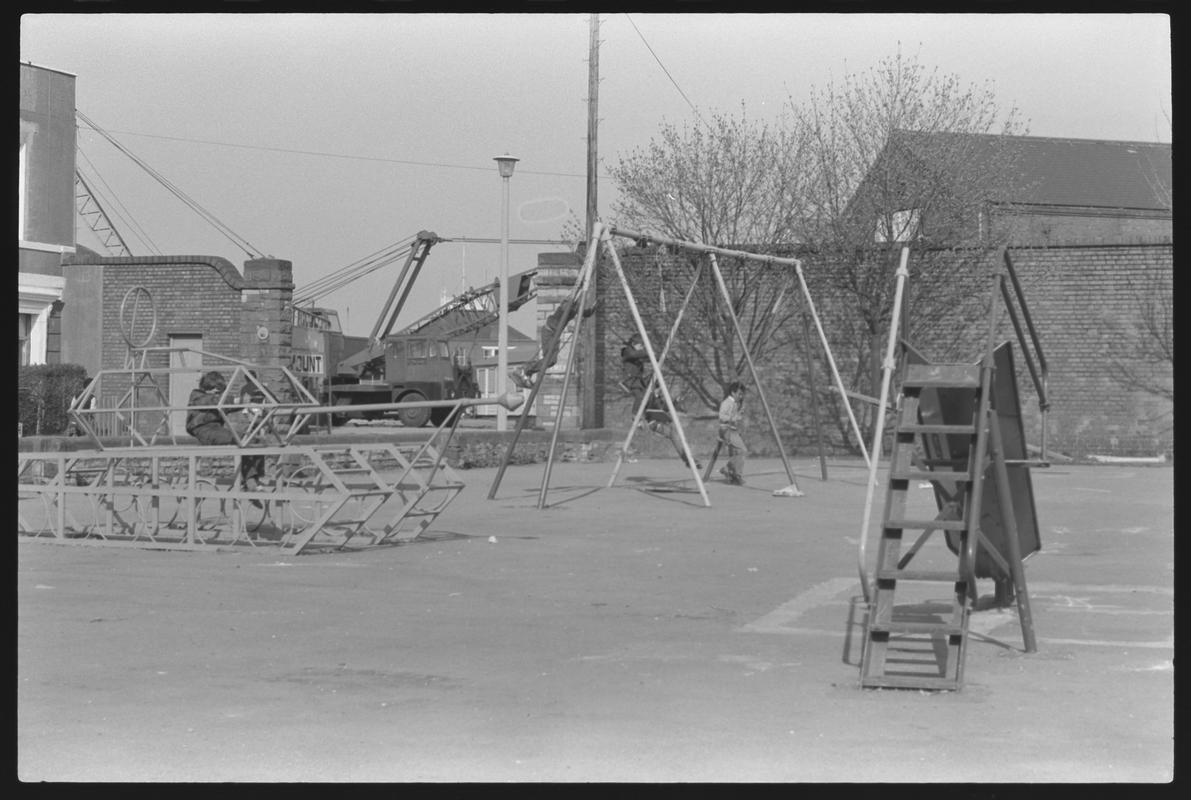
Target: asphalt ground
x,y
628,634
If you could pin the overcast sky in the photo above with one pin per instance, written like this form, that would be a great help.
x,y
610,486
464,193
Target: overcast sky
x,y
321,139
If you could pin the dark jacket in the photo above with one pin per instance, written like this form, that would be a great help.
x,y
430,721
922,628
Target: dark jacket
x,y
198,415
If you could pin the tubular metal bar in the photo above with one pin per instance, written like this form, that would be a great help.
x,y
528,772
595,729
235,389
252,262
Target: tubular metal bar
x,y
192,497
704,248
562,400
652,378
588,264
839,383
810,380
886,374
657,369
1016,571
1040,381
719,279
580,301
794,262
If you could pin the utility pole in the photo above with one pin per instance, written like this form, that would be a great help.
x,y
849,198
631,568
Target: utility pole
x,y
592,413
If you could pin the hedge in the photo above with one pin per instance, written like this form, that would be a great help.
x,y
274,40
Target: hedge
x,y
44,392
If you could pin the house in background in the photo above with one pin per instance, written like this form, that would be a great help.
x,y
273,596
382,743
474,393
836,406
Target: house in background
x,y
1090,229
480,348
45,208
1045,190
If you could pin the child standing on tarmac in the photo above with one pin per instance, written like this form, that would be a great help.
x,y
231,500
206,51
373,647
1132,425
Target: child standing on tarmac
x,y
730,416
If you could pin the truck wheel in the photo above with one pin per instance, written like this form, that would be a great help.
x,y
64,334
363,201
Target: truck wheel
x,y
413,417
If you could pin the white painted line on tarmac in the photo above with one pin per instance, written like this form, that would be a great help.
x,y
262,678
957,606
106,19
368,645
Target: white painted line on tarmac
x,y
783,618
1168,644
1108,588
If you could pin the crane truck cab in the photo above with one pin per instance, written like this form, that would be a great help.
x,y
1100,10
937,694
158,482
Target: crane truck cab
x,y
408,368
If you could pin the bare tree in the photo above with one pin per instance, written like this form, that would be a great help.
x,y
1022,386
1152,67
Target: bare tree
x,y
732,182
1143,355
897,153
902,154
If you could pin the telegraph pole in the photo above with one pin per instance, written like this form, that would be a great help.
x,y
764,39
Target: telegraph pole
x,y
591,413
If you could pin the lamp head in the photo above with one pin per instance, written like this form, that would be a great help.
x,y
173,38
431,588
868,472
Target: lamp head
x,y
505,164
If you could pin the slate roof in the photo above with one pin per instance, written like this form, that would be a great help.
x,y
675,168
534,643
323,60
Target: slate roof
x,y
460,317
1082,172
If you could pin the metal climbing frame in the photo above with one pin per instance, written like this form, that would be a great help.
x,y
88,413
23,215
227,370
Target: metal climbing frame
x,y
191,498
148,494
311,497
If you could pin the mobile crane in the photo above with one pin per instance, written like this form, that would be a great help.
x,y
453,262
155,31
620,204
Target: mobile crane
x,y
422,361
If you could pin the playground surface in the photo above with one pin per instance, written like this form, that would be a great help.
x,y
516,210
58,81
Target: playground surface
x,y
623,634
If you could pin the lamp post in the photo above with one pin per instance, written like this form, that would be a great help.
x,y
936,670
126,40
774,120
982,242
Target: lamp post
x,y
505,164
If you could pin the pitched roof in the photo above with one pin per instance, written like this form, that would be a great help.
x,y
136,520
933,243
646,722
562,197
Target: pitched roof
x,y
1081,172
458,318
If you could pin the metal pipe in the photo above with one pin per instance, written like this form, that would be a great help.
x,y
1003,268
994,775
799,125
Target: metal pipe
x,y
705,248
879,432
748,357
657,370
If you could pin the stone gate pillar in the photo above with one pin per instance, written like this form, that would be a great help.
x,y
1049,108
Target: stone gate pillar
x,y
557,273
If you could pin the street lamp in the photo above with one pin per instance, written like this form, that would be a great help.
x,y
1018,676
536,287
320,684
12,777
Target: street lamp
x,y
505,164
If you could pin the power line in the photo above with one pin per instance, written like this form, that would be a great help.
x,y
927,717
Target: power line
x,y
323,154
117,206
663,66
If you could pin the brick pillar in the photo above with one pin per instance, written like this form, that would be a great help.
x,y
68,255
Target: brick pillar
x,y
557,273
266,326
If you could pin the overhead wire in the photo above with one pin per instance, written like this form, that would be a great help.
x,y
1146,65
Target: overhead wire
x,y
663,66
219,225
113,207
336,280
323,154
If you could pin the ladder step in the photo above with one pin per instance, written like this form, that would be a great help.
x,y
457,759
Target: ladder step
x,y
931,475
958,376
925,524
896,626
908,682
934,576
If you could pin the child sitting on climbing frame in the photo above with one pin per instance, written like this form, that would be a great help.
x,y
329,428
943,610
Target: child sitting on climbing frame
x,y
551,341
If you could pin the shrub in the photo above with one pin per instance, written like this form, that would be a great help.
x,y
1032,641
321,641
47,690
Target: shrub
x,y
44,392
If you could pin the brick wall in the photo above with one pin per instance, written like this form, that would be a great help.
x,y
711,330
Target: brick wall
x,y
1050,226
245,317
1080,296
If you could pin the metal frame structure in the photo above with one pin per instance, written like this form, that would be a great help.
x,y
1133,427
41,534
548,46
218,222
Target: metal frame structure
x,y
147,494
601,237
312,497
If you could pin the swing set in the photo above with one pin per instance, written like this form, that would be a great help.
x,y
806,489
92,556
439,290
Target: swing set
x,y
602,237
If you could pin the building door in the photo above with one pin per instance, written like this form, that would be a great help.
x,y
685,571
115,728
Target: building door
x,y
183,383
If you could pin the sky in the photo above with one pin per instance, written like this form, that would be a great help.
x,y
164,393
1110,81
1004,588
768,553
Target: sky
x,y
324,138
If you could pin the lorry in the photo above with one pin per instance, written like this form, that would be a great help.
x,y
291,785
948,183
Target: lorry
x,y
429,359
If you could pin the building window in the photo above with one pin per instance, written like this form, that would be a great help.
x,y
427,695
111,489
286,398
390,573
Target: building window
x,y
900,226
490,352
24,328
